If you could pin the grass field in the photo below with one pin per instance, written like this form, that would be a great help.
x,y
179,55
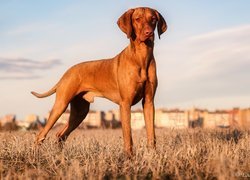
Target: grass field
x,y
98,154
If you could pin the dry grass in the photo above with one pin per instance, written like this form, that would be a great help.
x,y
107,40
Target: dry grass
x,y
98,154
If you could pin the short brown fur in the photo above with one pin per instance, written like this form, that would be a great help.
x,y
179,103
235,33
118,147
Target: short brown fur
x,y
125,79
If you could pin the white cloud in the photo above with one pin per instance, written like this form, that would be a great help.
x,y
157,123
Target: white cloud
x,y
211,65
24,68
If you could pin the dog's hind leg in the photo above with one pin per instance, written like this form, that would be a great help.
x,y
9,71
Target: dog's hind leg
x,y
57,110
63,97
79,109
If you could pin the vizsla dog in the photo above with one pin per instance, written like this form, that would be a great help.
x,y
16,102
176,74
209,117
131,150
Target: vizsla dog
x,y
125,79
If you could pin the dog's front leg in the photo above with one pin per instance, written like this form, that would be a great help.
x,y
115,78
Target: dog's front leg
x,y
125,112
148,104
149,111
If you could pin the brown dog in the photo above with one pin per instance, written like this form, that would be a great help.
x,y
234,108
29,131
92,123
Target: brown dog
x,y
124,79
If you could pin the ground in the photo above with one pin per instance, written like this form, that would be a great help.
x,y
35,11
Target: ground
x,y
98,154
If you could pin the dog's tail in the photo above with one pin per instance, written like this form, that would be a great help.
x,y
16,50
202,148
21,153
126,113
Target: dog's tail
x,y
46,94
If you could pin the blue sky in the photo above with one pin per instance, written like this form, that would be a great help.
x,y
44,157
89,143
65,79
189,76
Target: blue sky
x,y
203,59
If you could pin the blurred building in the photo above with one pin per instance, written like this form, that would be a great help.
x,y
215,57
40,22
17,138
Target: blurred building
x,y
8,122
94,119
112,119
9,118
137,119
217,118
164,118
173,118
169,118
241,118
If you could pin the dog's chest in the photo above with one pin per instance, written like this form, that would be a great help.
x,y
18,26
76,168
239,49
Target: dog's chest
x,y
141,75
139,81
138,92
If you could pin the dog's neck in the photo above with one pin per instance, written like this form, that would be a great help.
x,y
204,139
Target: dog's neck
x,y
142,52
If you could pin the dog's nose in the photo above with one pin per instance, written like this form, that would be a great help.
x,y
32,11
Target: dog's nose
x,y
148,32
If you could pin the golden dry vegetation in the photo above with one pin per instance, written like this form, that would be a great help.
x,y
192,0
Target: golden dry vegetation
x,y
98,154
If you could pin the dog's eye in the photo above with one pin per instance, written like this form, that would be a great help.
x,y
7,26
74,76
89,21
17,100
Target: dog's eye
x,y
137,19
153,20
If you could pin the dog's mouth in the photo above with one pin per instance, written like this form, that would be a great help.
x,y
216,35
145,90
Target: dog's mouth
x,y
147,38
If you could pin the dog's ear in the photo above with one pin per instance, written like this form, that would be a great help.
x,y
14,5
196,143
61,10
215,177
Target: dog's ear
x,y
161,25
125,23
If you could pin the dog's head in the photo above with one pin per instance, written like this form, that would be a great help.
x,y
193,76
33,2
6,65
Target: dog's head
x,y
140,23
